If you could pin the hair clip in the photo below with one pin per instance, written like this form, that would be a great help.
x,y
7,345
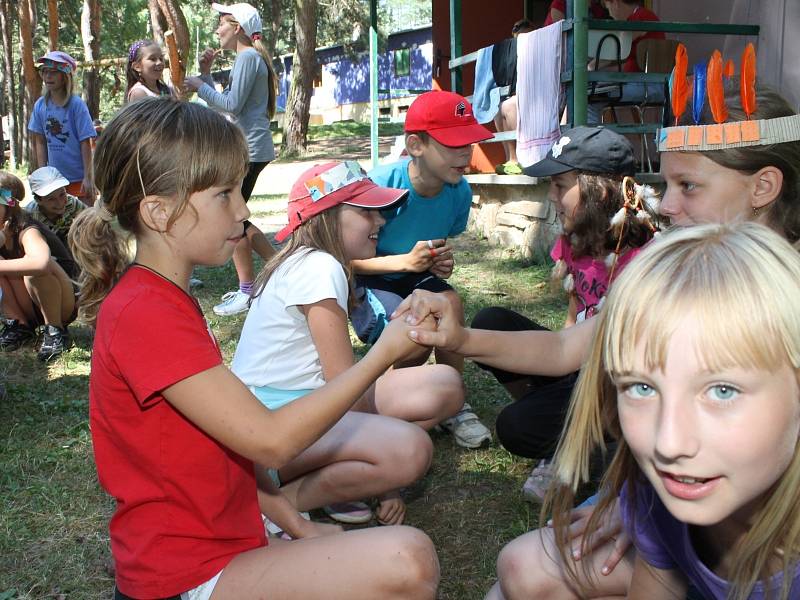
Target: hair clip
x,y
7,198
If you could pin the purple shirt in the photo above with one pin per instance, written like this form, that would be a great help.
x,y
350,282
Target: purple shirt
x,y
664,543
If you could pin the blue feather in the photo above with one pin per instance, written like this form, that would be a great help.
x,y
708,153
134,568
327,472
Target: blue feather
x,y
699,92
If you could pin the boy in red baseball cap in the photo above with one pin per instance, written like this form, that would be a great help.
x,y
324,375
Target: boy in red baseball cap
x,y
412,247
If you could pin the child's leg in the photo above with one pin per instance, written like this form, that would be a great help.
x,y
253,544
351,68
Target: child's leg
x,y
53,294
424,395
362,455
259,242
530,567
16,303
386,563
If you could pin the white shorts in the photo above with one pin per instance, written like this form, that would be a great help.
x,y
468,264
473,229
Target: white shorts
x,y
202,591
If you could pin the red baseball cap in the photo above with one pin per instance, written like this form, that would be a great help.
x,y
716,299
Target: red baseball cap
x,y
447,117
327,185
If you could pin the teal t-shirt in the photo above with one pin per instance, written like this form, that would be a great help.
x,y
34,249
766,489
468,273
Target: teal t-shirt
x,y
419,218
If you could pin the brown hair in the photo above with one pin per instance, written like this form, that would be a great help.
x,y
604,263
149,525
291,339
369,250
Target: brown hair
x,y
133,76
320,232
601,196
154,147
13,184
784,213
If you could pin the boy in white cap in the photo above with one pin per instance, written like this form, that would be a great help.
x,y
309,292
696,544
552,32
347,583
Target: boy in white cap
x,y
52,206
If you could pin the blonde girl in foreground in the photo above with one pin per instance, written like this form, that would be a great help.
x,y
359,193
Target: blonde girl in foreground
x,y
694,367
175,433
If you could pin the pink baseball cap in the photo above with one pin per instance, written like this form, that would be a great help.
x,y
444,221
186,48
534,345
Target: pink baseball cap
x,y
59,60
327,185
447,117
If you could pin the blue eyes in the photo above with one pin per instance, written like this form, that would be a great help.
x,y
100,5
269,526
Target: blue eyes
x,y
723,393
639,390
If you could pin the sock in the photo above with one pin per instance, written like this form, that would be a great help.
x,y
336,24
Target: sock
x,y
246,287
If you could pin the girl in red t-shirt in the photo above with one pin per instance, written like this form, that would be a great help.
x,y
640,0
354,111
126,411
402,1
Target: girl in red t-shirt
x,y
175,433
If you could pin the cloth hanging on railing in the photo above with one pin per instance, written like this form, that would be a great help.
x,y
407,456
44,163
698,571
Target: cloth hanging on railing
x,y
538,92
486,97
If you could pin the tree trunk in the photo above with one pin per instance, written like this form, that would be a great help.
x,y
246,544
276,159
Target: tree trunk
x,y
90,32
304,64
33,84
171,9
157,23
10,104
52,17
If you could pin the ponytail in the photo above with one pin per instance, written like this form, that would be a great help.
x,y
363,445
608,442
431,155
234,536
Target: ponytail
x,y
258,45
102,253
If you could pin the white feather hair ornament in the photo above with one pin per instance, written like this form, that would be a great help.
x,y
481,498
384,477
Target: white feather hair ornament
x,y
569,283
610,260
559,269
648,196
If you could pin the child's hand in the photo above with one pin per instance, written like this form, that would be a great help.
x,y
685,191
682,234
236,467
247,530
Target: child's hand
x,y
312,529
87,188
206,59
396,340
443,265
422,305
424,253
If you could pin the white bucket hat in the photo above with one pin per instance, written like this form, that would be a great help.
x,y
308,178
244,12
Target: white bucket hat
x,y
246,15
46,180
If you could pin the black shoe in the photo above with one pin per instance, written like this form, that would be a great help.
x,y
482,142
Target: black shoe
x,y
15,334
56,341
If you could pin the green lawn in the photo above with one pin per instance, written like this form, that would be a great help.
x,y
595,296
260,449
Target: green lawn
x,y
53,526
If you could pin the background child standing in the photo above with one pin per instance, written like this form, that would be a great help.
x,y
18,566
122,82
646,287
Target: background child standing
x,y
174,431
412,252
145,70
61,126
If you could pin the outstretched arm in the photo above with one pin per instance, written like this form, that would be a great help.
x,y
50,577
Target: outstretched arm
x,y
420,258
529,352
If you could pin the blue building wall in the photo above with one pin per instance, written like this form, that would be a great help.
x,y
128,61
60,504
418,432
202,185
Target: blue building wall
x,y
352,77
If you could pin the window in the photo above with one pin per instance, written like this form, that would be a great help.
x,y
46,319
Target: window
x,y
402,62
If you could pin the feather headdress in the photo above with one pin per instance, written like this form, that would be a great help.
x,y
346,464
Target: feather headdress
x,y
678,84
747,81
716,92
699,92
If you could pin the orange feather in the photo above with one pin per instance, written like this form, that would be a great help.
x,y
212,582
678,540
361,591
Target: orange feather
x,y
747,81
716,93
729,68
679,84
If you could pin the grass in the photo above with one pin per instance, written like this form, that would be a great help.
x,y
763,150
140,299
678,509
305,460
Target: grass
x,y
53,526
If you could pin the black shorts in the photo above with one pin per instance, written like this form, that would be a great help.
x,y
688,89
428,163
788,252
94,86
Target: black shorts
x,y
249,182
405,284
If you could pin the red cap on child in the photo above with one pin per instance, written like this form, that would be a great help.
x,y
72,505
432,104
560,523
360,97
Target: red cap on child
x,y
324,186
447,117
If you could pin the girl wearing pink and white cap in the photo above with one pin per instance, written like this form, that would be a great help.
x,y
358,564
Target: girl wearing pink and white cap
x,y
295,340
250,98
61,127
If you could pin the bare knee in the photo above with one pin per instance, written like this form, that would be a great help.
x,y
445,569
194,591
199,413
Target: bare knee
x,y
522,572
415,566
448,388
410,456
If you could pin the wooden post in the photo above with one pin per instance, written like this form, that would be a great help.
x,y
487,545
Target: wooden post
x,y
33,83
90,32
176,70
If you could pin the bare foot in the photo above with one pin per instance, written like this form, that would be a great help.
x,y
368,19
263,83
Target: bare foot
x,y
391,509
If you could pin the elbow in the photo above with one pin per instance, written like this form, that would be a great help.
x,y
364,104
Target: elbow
x,y
273,455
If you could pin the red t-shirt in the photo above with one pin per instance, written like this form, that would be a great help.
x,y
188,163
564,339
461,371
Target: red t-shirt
x,y
186,505
641,14
596,10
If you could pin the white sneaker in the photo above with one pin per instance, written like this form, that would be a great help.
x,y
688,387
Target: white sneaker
x,y
233,303
467,429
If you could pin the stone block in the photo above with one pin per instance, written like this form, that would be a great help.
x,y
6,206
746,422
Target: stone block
x,y
512,220
527,208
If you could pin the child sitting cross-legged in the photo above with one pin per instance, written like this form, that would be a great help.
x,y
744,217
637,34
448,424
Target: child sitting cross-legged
x,y
295,340
412,250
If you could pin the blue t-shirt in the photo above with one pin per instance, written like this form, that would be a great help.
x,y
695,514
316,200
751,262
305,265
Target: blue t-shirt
x,y
664,542
419,218
64,128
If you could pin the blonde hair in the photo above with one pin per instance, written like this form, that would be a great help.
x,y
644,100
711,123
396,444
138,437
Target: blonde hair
x,y
742,281
154,147
320,232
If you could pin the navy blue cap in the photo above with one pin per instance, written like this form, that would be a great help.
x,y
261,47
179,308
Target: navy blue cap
x,y
588,149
